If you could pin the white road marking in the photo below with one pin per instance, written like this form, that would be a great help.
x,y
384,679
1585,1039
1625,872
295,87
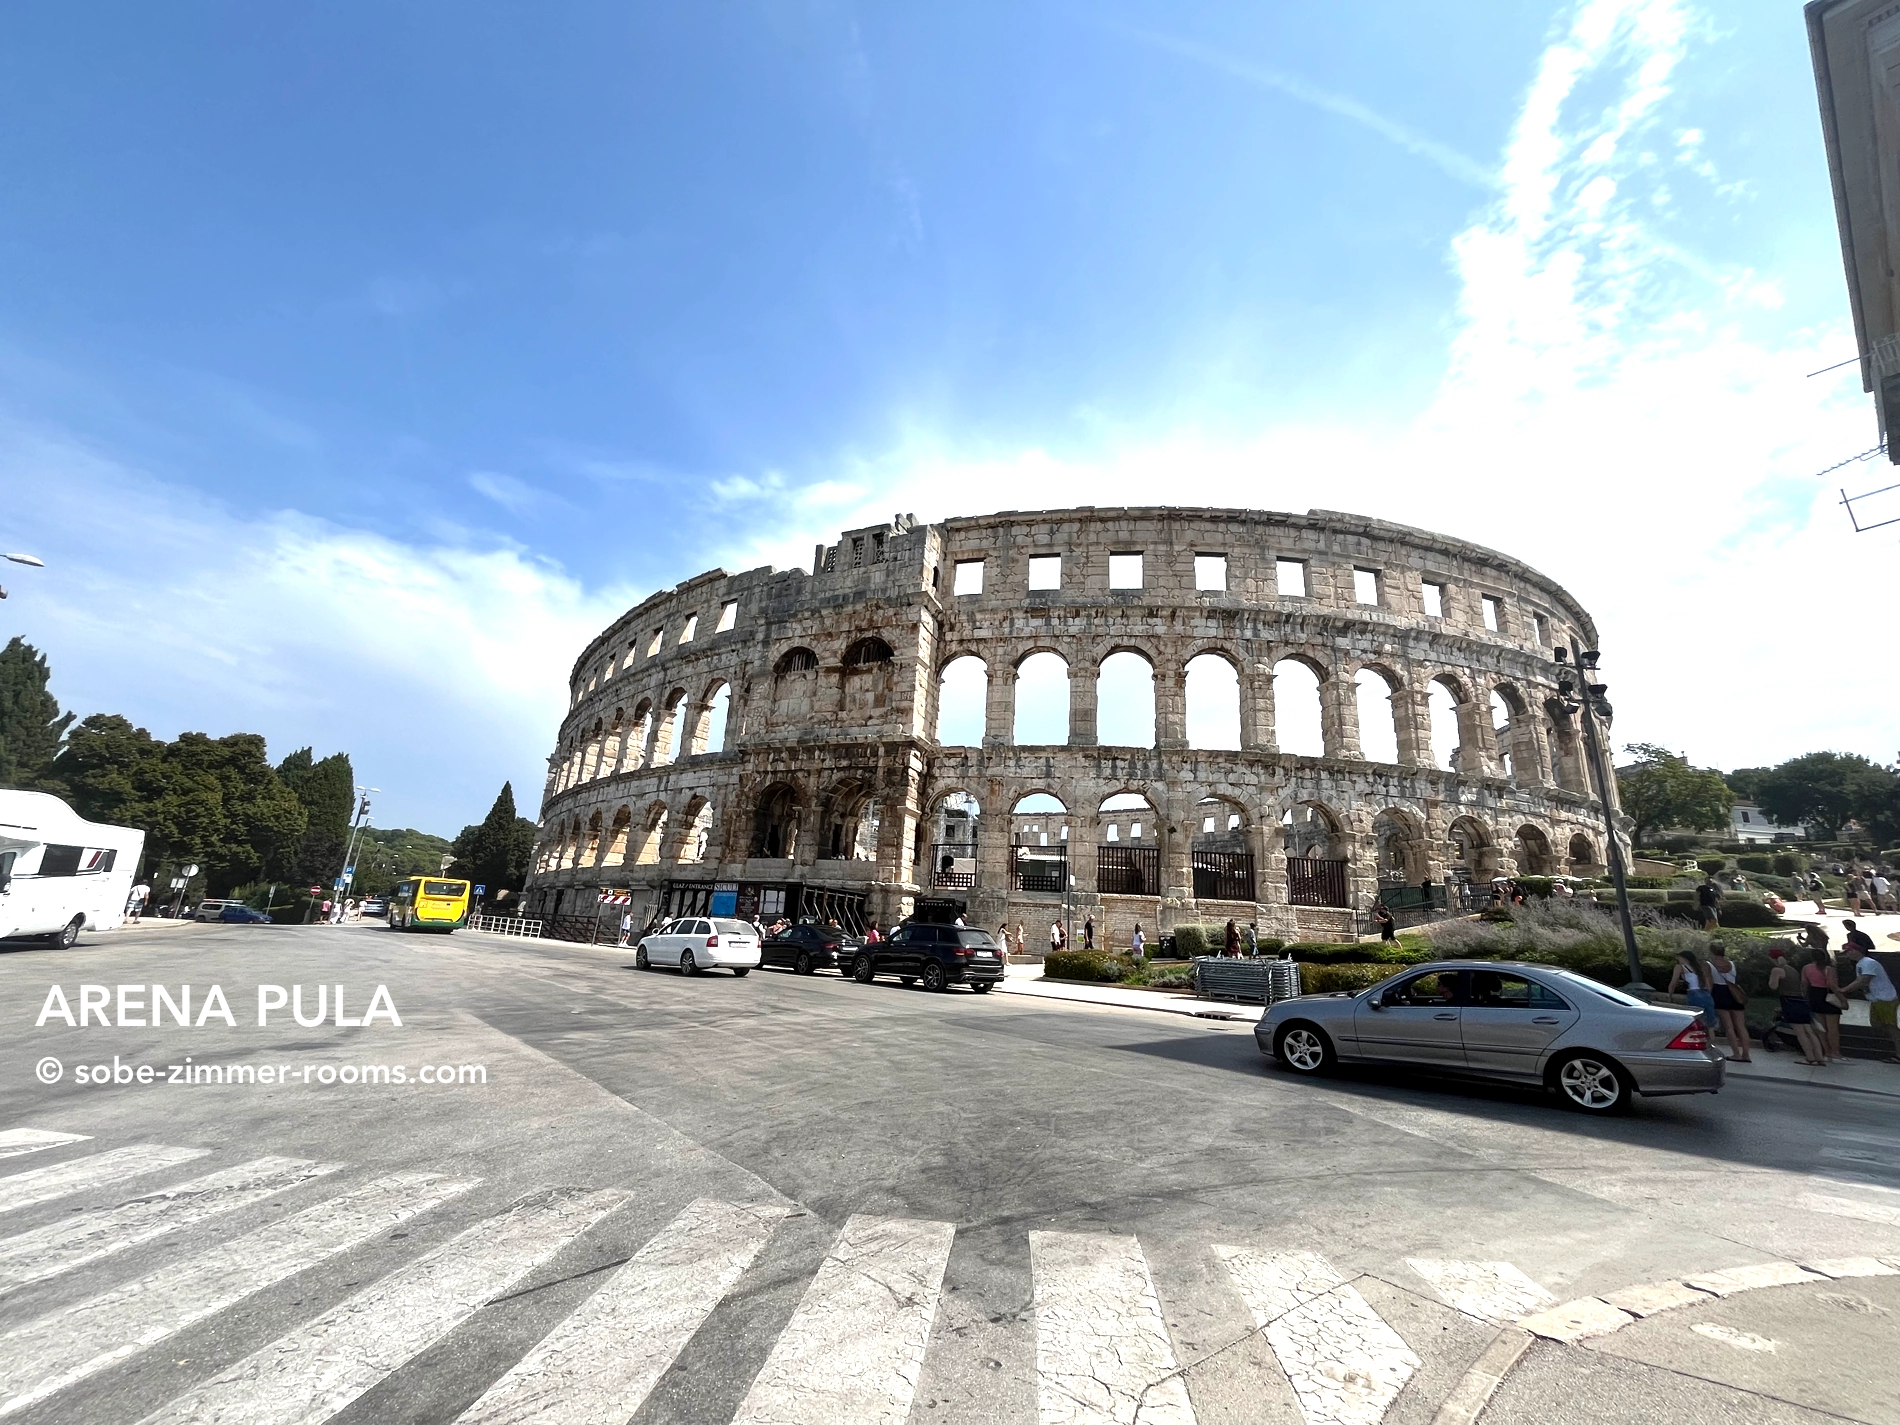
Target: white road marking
x,y
600,1363
1102,1348
87,1236
1491,1291
315,1370
1344,1362
14,1141
63,1179
853,1349
1848,1207
1728,1336
51,1353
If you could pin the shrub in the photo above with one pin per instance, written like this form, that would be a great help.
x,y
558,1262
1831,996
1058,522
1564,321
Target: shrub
x,y
1086,965
1649,883
1359,952
1269,945
1643,896
1190,940
1328,979
1751,915
1173,977
1706,861
1534,885
1757,865
1787,864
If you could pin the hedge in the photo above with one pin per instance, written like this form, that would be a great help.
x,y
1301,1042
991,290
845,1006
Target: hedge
x,y
1086,965
1355,953
1327,979
1192,940
1756,865
1787,864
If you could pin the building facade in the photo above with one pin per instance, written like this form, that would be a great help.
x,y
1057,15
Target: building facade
x,y
1037,717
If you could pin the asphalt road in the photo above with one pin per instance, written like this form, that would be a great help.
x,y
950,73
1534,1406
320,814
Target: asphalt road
x,y
781,1199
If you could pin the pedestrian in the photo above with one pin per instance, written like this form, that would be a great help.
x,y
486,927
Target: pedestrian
x,y
1817,890
874,936
1708,898
1852,892
1055,936
1388,927
1561,890
1022,938
1002,937
141,893
1230,944
1880,888
1731,1004
1784,981
1824,994
626,926
1137,943
1856,942
1253,937
1882,999
1691,979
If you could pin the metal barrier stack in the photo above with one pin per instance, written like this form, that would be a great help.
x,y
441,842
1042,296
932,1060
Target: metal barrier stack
x,y
506,925
1255,980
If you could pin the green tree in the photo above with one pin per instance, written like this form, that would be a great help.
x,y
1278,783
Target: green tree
x,y
327,792
31,724
1823,790
1746,782
385,857
495,852
1662,789
261,824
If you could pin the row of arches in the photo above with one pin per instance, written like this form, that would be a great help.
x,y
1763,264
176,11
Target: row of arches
x,y
656,838
1297,705
653,735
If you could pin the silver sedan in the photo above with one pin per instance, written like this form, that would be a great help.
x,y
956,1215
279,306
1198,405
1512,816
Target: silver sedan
x,y
1595,1047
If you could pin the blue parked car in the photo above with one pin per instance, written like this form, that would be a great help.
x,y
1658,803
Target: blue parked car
x,y
237,913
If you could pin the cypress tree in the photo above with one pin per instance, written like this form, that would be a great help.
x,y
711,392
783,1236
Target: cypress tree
x,y
31,725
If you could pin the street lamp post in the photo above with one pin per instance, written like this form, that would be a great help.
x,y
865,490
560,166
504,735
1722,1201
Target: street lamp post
x,y
31,560
357,824
1582,694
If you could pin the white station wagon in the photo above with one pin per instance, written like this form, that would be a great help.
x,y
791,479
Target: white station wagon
x,y
696,943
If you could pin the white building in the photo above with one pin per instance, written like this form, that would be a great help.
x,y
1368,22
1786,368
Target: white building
x,y
1748,822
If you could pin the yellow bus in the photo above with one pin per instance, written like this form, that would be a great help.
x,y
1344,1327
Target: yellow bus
x,y
428,903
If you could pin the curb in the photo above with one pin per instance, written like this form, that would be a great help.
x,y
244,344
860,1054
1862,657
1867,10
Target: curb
x,y
1735,1078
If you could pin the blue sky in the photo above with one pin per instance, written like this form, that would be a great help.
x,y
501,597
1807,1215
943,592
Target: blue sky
x,y
332,335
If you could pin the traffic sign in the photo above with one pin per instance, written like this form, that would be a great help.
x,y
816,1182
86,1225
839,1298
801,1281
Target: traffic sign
x,y
316,890
481,890
190,870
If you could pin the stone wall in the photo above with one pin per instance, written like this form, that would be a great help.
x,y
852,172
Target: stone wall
x,y
829,767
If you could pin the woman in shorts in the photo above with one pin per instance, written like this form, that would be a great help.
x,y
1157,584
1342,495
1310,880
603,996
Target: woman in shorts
x,y
1824,996
1691,980
1730,1005
1784,981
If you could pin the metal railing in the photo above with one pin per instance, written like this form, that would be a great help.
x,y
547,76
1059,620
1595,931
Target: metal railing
x,y
1039,869
1128,870
1223,876
1311,880
953,867
506,925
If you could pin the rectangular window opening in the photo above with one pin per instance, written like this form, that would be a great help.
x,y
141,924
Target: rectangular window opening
x,y
1134,831
1365,586
658,641
1290,576
1493,613
1124,571
728,616
1045,571
689,628
1434,595
857,551
877,549
1210,573
1114,832
1065,833
1540,630
1207,826
969,577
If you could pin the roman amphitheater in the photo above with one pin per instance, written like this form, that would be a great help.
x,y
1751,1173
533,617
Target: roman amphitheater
x,y
1142,715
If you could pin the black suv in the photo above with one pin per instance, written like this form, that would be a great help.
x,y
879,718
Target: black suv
x,y
939,955
806,948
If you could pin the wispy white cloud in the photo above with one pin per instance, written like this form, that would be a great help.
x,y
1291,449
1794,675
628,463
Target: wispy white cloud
x,y
1444,156
514,495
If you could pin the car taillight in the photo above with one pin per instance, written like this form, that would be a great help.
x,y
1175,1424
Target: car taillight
x,y
1693,1036
712,942
964,954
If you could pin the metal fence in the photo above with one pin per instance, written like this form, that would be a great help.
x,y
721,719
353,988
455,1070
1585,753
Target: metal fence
x,y
953,867
1128,870
1043,869
1311,880
506,925
1223,875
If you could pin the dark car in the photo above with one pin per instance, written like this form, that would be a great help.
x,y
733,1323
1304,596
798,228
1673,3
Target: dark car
x,y
806,948
237,913
938,955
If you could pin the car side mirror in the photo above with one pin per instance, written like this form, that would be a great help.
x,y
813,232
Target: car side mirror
x,y
1378,1000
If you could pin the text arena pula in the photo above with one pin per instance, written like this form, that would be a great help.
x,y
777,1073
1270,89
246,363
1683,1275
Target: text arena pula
x,y
1152,715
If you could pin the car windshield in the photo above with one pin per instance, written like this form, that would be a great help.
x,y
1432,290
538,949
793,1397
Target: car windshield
x,y
976,939
1614,996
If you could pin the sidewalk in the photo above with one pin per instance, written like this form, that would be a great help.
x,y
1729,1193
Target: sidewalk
x,y
1027,980
1857,1075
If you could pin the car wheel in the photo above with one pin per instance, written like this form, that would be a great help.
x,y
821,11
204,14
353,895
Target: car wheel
x,y
1303,1048
802,965
640,961
688,965
1591,1083
69,937
862,970
933,977
983,987
739,972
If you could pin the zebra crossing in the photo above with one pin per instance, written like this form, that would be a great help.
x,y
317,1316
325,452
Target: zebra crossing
x,y
852,1352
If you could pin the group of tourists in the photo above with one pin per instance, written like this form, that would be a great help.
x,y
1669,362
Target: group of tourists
x,y
1813,994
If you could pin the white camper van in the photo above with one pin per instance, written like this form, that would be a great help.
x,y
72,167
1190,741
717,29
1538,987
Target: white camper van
x,y
59,874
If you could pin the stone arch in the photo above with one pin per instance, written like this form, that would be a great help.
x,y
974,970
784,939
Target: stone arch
x,y
617,838
1041,699
1312,829
1566,746
666,739
1127,817
870,676
616,749
1404,856
852,822
1584,858
1298,709
639,730
652,835
963,691
1534,855
709,729
795,686
591,749
1380,699
590,853
1211,687
1125,697
953,824
1447,701
696,825
775,822
1470,845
